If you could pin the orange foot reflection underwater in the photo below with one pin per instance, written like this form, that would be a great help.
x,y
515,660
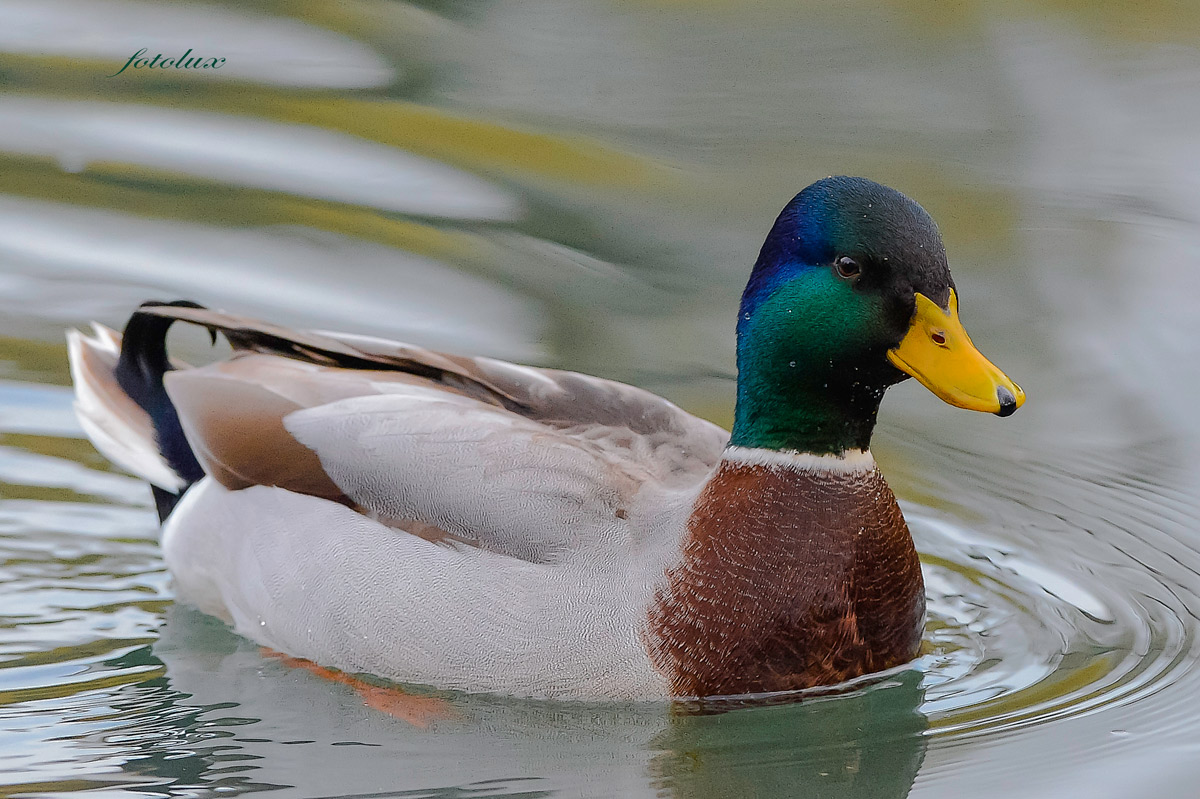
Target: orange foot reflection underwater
x,y
419,711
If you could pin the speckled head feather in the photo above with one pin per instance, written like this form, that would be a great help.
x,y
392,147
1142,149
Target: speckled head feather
x,y
859,218
812,363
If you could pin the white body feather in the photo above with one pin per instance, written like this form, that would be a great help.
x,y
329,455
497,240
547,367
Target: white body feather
x,y
559,528
317,580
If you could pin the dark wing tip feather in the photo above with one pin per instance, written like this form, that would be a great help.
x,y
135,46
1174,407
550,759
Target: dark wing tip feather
x,y
139,372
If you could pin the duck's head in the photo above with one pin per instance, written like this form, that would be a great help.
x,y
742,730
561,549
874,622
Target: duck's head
x,y
851,293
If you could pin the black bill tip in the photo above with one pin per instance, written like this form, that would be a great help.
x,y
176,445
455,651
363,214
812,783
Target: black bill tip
x,y
1008,403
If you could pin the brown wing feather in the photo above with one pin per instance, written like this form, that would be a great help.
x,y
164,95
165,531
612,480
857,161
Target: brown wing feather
x,y
249,447
232,414
246,334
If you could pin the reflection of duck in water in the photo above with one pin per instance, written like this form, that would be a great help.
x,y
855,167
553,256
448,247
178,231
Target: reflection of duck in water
x,y
472,524
862,744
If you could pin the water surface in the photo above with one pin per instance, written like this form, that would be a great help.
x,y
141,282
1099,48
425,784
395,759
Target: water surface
x,y
585,185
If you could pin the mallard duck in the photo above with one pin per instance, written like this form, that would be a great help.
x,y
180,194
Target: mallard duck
x,y
472,524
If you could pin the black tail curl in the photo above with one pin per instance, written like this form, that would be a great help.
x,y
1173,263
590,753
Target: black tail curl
x,y
139,372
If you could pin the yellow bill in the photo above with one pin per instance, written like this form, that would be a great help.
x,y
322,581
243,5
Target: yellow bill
x,y
937,351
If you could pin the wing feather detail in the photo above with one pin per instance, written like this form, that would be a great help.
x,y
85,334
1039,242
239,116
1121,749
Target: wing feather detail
x,y
537,464
504,482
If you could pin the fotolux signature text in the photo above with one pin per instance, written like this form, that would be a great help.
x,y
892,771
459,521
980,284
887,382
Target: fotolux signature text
x,y
140,60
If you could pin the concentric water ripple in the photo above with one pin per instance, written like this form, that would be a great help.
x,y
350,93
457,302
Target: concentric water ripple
x,y
1011,641
1061,585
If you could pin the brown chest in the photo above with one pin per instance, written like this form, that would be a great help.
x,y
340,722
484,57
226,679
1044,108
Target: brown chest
x,y
788,579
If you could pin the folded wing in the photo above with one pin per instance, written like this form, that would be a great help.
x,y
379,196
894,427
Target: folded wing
x,y
536,464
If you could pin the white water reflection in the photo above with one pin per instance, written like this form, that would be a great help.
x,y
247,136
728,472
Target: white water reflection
x,y
37,410
256,47
242,151
105,262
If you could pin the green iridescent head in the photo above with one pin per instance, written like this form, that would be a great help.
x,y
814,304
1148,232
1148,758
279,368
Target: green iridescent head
x,y
851,293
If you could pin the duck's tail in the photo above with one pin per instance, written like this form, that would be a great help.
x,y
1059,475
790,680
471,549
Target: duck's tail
x,y
124,408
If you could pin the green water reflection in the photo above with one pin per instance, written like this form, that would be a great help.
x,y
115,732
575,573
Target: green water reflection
x,y
867,743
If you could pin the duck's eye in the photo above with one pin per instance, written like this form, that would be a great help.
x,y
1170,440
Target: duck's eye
x,y
847,268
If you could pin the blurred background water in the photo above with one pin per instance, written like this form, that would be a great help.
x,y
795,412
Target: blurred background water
x,y
585,185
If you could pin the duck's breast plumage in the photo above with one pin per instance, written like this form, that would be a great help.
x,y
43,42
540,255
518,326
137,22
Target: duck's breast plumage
x,y
796,571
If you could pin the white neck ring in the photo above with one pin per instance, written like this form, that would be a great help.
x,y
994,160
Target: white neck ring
x,y
853,460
